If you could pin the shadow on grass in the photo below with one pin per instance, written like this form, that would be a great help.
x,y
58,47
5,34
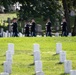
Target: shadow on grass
x,y
2,64
32,54
59,63
31,64
55,54
3,55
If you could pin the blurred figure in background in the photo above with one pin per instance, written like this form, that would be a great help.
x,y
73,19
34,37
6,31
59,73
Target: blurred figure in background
x,y
15,27
64,27
33,28
48,28
27,28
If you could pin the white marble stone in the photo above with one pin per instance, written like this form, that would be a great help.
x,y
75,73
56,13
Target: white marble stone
x,y
62,56
4,73
67,66
2,30
72,72
37,56
3,34
38,66
56,34
44,35
7,32
11,34
70,34
9,57
11,48
58,48
7,67
39,36
20,34
36,47
40,73
6,35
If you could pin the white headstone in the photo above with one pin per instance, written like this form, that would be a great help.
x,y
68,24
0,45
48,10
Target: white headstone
x,y
58,48
4,73
36,56
22,30
6,34
11,34
2,31
56,34
39,36
11,48
69,34
3,34
44,35
36,47
67,66
9,56
62,56
38,66
20,35
73,72
39,73
7,67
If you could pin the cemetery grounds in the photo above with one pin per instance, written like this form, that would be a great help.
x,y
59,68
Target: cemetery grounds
x,y
23,58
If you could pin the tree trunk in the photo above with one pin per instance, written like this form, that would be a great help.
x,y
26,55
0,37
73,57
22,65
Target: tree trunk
x,y
74,28
66,14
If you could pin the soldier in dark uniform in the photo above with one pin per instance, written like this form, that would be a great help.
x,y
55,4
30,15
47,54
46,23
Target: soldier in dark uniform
x,y
27,29
64,27
33,27
48,28
15,29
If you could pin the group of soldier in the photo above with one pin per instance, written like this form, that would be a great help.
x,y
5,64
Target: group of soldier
x,y
48,28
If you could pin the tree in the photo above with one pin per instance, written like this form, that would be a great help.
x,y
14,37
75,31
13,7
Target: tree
x,y
36,8
39,8
66,14
74,28
6,4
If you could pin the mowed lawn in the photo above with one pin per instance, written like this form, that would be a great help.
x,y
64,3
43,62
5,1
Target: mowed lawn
x,y
23,58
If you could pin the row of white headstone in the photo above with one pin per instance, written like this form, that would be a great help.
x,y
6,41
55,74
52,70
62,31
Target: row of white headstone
x,y
37,60
67,63
57,34
9,60
7,34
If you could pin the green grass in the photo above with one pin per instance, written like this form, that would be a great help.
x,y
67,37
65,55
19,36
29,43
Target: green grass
x,y
23,59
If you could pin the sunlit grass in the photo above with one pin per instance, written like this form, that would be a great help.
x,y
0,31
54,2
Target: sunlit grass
x,y
23,59
4,17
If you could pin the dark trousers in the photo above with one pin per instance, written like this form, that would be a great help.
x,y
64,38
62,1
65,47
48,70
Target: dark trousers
x,y
33,33
64,33
48,33
15,34
27,34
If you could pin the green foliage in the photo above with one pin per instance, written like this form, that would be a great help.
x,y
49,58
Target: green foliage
x,y
36,9
23,59
39,8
